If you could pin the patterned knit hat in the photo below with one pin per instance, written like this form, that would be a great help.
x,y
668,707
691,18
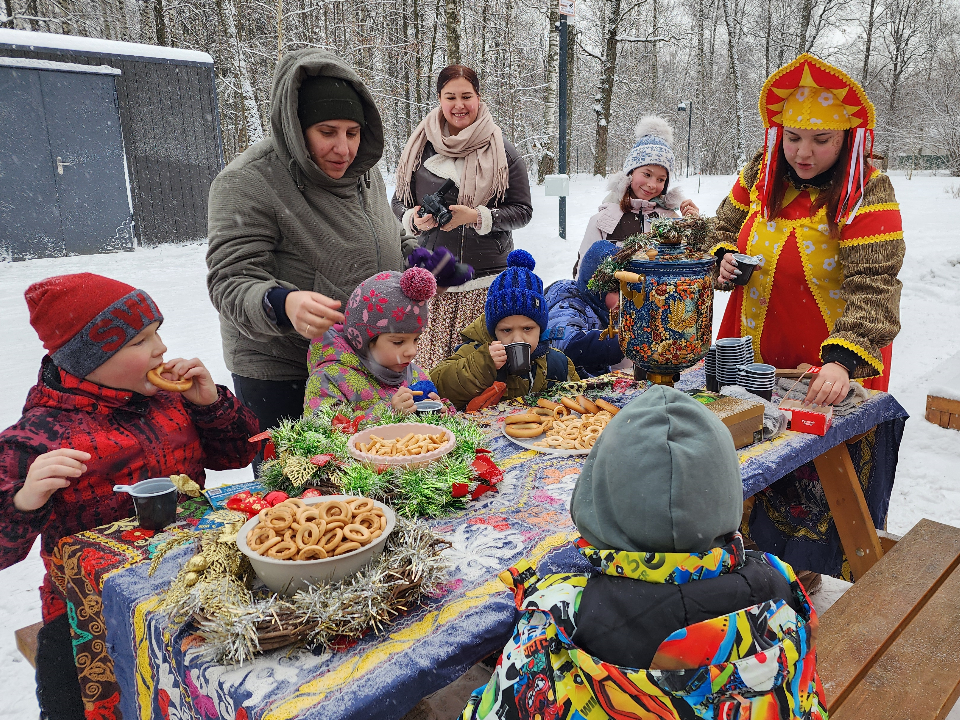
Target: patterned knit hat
x,y
516,291
653,147
388,302
84,319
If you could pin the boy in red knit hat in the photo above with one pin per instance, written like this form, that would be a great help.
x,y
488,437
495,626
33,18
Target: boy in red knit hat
x,y
94,420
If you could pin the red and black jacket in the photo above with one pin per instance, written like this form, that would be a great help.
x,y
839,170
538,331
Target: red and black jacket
x,y
130,438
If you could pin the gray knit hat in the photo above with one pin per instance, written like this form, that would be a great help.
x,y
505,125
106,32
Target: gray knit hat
x,y
663,477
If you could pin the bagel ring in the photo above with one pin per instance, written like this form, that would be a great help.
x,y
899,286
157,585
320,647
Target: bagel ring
x,y
296,502
359,506
347,547
560,411
368,520
259,535
521,418
335,535
279,518
383,523
160,382
344,511
334,524
312,552
267,544
572,404
357,533
310,534
283,550
308,514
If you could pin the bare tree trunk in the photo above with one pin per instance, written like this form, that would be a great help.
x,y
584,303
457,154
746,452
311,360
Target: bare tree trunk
x,y
735,72
868,42
653,59
547,160
453,32
803,28
605,91
160,22
250,127
8,8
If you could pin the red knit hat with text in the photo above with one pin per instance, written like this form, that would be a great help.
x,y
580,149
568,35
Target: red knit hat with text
x,y
84,319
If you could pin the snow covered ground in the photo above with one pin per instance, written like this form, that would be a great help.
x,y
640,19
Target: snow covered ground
x,y
924,355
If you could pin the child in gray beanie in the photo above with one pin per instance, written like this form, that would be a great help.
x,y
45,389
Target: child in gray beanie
x,y
677,620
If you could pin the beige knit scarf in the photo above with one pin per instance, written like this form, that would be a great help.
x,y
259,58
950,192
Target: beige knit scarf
x,y
485,173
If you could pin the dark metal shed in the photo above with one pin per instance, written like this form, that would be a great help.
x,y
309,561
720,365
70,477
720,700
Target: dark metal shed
x,y
169,119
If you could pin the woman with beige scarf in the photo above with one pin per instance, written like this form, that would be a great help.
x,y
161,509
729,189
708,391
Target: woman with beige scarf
x,y
460,141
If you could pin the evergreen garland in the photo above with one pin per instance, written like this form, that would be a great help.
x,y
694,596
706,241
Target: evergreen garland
x,y
418,492
695,232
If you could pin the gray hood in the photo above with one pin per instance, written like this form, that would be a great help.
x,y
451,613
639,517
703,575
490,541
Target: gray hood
x,y
663,477
287,134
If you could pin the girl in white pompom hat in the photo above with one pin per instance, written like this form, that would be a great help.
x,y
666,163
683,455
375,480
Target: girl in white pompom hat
x,y
643,191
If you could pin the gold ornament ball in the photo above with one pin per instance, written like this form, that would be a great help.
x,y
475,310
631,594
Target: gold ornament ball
x,y
198,563
191,579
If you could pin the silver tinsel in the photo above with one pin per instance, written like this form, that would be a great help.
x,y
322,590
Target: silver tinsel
x,y
410,567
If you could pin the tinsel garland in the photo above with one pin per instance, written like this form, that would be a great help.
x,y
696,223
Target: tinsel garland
x,y
696,233
419,492
237,624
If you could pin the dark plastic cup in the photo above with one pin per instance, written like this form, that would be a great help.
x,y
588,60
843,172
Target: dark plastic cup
x,y
746,265
155,501
428,406
518,358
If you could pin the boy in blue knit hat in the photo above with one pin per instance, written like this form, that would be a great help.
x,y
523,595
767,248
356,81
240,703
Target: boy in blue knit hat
x,y
516,311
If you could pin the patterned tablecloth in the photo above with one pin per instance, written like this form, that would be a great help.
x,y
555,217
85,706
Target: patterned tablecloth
x,y
159,674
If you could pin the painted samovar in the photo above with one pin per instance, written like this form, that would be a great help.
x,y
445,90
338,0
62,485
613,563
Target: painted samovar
x,y
665,321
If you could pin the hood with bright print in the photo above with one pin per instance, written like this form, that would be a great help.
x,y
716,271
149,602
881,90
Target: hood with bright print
x,y
759,662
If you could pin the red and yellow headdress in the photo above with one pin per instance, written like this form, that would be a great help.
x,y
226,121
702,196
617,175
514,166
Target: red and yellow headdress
x,y
811,94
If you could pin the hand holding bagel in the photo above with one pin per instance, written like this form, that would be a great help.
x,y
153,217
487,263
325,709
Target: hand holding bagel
x,y
189,377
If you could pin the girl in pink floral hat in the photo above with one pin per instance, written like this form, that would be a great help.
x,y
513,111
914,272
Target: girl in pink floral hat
x,y
368,360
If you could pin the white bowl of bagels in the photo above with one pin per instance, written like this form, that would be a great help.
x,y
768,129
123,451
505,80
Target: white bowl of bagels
x,y
282,572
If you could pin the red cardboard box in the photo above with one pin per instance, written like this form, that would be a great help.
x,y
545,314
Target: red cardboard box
x,y
813,420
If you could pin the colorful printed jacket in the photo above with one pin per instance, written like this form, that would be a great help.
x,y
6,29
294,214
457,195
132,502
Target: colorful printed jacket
x,y
757,663
130,438
337,377
814,297
470,370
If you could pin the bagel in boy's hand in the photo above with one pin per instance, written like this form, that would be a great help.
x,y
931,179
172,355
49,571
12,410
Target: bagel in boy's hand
x,y
157,380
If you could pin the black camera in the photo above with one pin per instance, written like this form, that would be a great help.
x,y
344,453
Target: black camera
x,y
434,205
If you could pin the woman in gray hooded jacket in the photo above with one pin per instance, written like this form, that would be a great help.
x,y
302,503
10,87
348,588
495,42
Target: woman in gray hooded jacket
x,y
295,223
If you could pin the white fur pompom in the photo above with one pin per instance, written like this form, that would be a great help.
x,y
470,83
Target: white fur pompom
x,y
654,125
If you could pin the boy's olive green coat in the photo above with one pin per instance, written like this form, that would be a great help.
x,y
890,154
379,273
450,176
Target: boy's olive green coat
x,y
470,370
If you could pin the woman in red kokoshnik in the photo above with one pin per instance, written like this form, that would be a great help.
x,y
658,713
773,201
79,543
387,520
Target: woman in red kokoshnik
x,y
827,226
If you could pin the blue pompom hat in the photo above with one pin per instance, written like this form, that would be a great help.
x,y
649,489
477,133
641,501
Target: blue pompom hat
x,y
517,291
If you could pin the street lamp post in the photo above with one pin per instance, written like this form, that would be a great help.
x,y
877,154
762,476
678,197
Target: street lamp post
x,y
687,107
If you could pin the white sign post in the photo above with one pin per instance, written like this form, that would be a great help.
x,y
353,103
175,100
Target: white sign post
x,y
568,7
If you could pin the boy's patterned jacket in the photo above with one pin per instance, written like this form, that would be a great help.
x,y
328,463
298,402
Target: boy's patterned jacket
x,y
130,438
337,377
759,662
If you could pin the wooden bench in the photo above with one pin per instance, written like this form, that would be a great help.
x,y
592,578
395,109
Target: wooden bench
x,y
27,642
887,649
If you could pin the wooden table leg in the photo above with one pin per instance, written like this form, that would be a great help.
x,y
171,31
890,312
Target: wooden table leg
x,y
849,508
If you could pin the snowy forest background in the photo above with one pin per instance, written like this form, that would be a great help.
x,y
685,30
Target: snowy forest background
x,y
625,58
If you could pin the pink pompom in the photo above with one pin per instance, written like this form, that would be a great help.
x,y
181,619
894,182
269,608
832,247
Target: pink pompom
x,y
418,284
